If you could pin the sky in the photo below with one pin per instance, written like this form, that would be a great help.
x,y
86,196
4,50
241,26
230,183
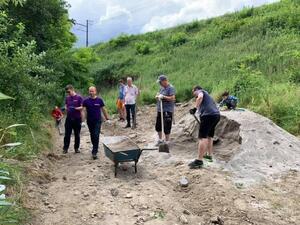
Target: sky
x,y
110,18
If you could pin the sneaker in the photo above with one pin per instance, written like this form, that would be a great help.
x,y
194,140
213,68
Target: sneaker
x,y
77,151
159,142
127,126
94,157
208,158
65,151
196,164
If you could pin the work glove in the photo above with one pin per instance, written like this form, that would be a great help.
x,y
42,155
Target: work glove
x,y
160,97
193,111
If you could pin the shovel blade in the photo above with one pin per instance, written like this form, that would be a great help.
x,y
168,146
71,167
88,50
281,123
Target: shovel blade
x,y
164,148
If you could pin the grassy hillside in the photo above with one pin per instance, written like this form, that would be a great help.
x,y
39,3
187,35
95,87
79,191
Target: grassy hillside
x,y
254,53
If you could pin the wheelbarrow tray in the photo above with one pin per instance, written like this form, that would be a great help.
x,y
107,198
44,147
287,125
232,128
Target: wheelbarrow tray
x,y
121,149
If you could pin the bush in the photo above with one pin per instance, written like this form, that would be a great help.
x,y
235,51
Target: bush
x,y
207,38
142,48
193,26
178,39
249,86
111,73
120,41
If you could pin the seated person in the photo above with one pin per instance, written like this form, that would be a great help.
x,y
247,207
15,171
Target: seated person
x,y
229,101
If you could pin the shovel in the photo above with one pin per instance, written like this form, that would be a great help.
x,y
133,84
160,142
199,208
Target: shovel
x,y
163,147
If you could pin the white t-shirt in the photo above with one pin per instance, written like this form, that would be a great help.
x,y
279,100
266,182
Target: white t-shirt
x,y
131,94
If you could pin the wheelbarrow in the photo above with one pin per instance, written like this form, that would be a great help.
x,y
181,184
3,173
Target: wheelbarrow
x,y
120,149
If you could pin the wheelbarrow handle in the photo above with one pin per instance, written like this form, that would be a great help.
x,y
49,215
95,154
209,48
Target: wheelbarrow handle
x,y
149,149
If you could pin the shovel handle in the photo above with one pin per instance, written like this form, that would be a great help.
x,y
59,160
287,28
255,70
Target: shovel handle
x,y
196,118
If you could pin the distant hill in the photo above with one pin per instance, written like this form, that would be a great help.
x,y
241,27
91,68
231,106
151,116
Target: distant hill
x,y
253,53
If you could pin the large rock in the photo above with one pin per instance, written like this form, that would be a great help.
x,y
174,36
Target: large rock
x,y
251,146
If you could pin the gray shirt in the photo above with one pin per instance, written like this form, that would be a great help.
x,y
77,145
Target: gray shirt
x,y
168,106
208,106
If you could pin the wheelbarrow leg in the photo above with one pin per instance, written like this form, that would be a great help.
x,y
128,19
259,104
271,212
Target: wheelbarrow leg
x,y
116,168
135,166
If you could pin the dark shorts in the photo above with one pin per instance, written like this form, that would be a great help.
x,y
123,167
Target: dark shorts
x,y
168,118
208,125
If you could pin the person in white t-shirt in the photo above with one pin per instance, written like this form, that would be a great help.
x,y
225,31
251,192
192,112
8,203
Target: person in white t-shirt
x,y
131,94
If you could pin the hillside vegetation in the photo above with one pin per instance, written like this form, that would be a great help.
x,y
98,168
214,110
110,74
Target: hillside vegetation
x,y
254,53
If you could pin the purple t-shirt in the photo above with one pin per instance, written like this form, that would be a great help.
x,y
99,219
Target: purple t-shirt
x,y
73,102
93,108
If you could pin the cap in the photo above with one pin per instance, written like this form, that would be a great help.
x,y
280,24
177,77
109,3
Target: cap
x,y
162,78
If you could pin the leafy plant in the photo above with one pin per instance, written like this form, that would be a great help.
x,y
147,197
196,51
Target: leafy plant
x,y
178,39
142,48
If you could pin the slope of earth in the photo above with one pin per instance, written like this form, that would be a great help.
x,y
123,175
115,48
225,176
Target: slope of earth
x,y
72,189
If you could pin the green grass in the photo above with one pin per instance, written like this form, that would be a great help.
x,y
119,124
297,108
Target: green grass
x,y
254,53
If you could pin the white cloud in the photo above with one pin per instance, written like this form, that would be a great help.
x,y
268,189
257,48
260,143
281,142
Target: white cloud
x,y
197,9
112,17
114,12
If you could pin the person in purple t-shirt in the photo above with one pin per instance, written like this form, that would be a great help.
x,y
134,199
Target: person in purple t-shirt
x,y
93,106
73,106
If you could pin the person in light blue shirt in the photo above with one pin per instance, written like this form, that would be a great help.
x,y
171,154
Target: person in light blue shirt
x,y
121,101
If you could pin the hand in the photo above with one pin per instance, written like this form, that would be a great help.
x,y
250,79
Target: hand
x,y
193,111
160,97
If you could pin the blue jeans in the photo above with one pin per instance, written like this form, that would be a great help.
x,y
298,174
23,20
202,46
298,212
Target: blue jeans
x,y
94,128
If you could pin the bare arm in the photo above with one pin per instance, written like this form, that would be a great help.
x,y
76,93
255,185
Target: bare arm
x,y
199,100
103,109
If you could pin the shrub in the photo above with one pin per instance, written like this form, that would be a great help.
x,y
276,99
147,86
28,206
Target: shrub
x,y
244,13
250,86
193,26
178,39
120,41
142,48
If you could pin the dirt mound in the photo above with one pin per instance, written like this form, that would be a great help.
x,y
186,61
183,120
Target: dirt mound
x,y
250,146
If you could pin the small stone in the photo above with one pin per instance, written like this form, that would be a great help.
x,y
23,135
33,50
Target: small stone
x,y
183,219
276,143
184,182
144,207
64,178
132,136
86,195
218,221
186,212
93,215
128,196
114,192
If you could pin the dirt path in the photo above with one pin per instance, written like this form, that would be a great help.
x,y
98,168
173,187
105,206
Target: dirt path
x,y
75,190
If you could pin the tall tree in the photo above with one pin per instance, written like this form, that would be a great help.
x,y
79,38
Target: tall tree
x,y
46,22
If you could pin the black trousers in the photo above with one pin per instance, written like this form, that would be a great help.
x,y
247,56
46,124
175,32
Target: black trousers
x,y
72,125
94,128
130,113
168,118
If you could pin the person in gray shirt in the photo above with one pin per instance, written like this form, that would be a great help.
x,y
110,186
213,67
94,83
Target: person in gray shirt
x,y
209,117
167,96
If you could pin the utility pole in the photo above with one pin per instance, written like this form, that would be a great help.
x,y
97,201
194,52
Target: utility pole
x,y
87,34
86,26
